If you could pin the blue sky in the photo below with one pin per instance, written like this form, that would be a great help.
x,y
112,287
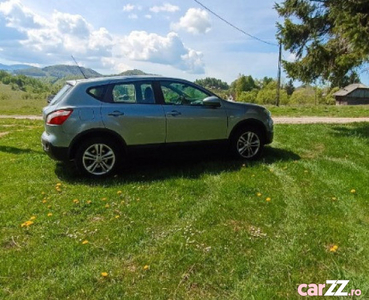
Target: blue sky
x,y
170,38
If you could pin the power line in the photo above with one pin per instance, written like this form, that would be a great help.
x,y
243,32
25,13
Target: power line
x,y
235,27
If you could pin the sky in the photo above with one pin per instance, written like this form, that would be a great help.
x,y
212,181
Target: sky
x,y
171,38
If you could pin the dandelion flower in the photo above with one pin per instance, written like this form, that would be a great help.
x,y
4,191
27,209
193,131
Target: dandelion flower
x,y
117,216
32,218
76,201
89,202
26,224
333,248
334,198
44,201
58,184
107,205
104,274
268,199
49,214
119,192
258,194
85,242
146,267
353,191
103,199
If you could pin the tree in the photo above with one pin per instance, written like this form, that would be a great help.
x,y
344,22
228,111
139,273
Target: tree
x,y
328,37
243,84
212,83
267,95
289,88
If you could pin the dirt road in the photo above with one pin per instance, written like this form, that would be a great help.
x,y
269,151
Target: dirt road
x,y
277,120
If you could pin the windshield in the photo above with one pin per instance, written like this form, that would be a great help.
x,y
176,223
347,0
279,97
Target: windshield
x,y
61,94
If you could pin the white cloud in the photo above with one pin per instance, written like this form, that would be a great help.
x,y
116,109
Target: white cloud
x,y
166,7
151,47
18,16
133,17
54,39
195,21
128,7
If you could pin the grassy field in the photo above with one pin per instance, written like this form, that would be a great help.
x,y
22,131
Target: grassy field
x,y
13,103
187,229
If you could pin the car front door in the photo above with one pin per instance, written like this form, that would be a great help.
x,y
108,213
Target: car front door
x,y
187,118
132,111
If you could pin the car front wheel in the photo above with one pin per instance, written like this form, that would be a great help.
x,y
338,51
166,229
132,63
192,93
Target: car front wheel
x,y
247,143
97,157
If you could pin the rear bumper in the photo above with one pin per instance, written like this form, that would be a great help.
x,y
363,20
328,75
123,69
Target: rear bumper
x,y
56,153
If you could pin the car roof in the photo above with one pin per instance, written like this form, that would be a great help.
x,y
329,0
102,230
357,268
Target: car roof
x,y
112,79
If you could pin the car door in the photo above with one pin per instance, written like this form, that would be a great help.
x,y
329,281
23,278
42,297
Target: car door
x,y
187,118
132,111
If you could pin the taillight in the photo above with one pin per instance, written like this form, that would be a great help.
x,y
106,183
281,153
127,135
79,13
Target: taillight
x,y
58,117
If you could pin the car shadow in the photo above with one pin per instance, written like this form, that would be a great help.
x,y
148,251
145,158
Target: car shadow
x,y
14,150
156,168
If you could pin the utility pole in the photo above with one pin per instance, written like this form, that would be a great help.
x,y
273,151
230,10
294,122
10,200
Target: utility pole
x,y
279,74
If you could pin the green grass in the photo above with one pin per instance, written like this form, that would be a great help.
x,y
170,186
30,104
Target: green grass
x,y
349,111
198,226
14,102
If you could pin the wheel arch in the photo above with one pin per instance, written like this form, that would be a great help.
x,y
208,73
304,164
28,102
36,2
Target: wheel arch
x,y
95,133
250,123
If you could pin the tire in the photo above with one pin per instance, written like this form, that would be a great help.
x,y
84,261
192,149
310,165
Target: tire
x,y
97,157
247,143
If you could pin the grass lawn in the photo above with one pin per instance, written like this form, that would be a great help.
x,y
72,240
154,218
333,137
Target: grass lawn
x,y
348,111
190,229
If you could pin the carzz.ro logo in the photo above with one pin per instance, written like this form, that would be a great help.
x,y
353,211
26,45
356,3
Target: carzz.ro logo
x,y
313,289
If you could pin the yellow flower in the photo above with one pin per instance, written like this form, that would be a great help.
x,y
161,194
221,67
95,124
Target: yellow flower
x,y
43,193
32,218
85,242
76,201
119,192
146,267
107,205
117,216
26,224
334,198
353,191
104,274
89,202
333,248
103,199
49,214
258,194
268,199
58,184
44,201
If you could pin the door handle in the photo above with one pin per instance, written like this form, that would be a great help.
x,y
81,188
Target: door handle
x,y
173,113
116,113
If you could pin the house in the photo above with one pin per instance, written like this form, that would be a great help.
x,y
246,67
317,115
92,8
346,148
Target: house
x,y
353,94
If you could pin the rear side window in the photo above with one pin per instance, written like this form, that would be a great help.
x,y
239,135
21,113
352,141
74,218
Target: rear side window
x,y
61,94
133,93
98,92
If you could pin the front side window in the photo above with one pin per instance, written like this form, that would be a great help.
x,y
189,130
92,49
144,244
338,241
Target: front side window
x,y
182,93
140,93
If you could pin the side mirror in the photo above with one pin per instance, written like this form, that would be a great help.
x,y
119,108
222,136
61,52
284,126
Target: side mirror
x,y
50,98
212,101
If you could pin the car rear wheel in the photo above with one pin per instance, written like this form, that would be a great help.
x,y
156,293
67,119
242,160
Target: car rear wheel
x,y
247,143
97,157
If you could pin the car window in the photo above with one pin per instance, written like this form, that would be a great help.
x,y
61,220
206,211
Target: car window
x,y
182,94
141,93
97,92
61,94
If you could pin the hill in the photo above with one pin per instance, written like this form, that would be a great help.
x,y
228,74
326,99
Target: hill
x,y
57,71
133,72
13,67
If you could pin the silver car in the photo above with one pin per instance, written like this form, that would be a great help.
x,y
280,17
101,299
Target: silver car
x,y
99,122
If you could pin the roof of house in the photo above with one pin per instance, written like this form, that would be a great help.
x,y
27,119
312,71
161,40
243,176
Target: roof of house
x,y
349,89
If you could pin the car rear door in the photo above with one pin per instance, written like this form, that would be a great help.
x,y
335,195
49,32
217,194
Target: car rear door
x,y
132,111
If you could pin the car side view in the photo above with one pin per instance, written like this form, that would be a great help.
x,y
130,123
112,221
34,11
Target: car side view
x,y
98,122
